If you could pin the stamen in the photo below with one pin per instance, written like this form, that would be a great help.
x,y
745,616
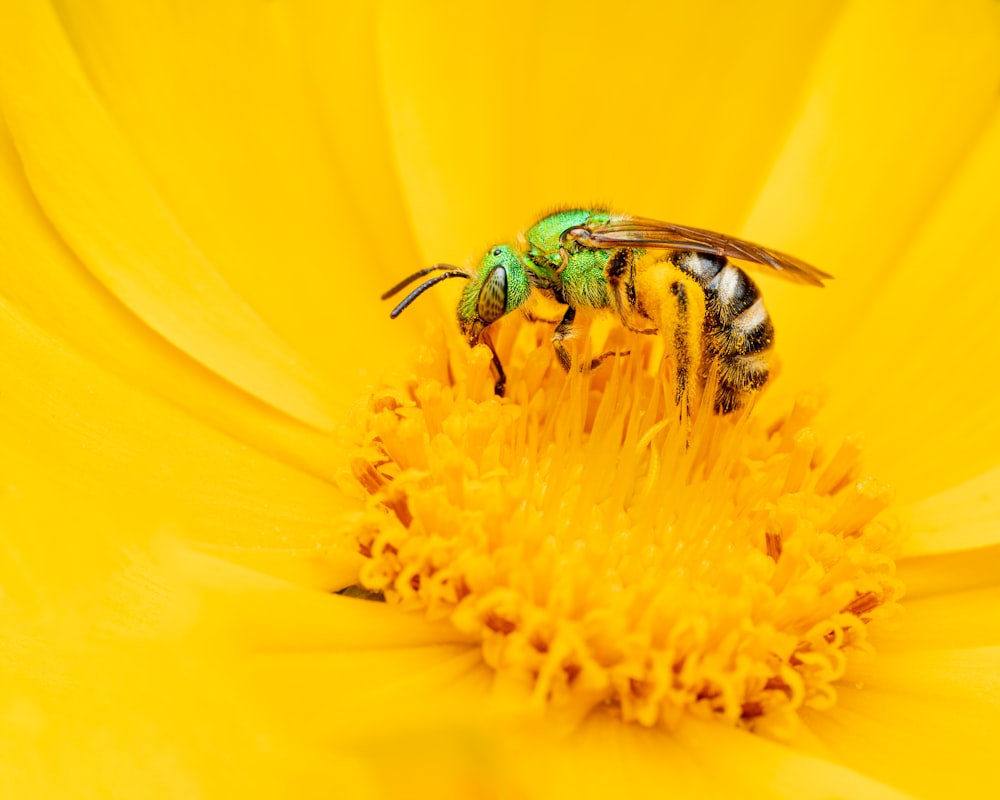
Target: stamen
x,y
612,552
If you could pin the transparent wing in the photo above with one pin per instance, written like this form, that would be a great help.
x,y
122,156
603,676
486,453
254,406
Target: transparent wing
x,y
653,234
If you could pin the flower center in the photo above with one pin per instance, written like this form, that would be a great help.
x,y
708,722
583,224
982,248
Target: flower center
x,y
608,550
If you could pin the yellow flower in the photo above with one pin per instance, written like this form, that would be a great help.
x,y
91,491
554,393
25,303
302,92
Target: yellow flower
x,y
200,208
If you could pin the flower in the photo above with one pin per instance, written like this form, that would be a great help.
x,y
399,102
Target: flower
x,y
200,210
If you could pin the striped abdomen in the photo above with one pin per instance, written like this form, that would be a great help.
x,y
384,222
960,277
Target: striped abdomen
x,y
737,332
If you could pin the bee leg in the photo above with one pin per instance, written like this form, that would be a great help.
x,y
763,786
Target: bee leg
x,y
563,331
619,306
682,348
596,362
644,331
620,275
500,386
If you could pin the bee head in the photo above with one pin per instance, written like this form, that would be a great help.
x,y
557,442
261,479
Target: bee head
x,y
499,286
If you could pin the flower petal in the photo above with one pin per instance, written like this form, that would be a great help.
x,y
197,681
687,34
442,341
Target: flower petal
x,y
700,759
735,755
601,757
99,699
946,573
388,688
962,518
953,541
44,282
923,345
88,458
262,127
95,192
964,678
945,621
265,614
500,112
887,120
607,759
898,737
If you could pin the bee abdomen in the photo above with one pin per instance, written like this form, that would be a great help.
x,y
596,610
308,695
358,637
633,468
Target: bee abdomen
x,y
737,378
703,267
751,331
731,292
745,372
740,333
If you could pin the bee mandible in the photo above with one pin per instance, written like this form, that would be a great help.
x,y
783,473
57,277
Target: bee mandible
x,y
593,258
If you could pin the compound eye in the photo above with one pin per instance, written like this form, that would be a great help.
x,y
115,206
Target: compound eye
x,y
493,296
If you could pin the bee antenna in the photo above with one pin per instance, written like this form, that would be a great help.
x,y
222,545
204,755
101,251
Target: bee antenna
x,y
418,274
423,288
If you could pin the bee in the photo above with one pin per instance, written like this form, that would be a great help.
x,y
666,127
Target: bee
x,y
593,258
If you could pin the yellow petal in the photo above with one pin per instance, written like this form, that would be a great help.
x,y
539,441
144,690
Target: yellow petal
x,y
93,189
264,614
948,572
262,128
700,760
924,746
965,517
895,101
85,452
389,698
89,711
607,759
961,678
953,541
921,359
944,621
392,687
501,112
45,282
736,756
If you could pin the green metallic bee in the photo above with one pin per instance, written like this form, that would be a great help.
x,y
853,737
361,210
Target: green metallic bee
x,y
593,258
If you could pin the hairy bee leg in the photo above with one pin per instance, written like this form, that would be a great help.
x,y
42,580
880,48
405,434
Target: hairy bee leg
x,y
501,385
644,331
621,272
562,332
620,308
682,348
633,299
596,362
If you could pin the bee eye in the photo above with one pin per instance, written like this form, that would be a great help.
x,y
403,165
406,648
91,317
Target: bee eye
x,y
493,296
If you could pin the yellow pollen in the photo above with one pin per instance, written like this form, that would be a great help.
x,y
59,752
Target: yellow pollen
x,y
610,552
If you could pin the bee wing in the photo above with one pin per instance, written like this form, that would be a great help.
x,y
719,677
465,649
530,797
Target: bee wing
x,y
653,234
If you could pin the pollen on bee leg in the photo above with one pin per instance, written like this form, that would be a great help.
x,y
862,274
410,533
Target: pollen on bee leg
x,y
611,554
